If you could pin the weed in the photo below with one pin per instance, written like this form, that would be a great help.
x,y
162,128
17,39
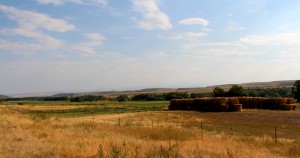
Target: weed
x,y
170,151
100,152
230,155
115,152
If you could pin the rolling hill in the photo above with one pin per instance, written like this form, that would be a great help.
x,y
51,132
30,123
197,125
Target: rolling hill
x,y
261,85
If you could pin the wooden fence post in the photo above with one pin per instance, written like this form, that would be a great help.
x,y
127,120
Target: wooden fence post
x,y
275,134
201,129
152,123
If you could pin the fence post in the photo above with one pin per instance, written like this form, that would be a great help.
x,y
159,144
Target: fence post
x,y
275,134
152,123
201,129
93,117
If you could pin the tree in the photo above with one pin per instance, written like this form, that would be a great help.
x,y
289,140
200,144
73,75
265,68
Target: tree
x,y
236,90
176,95
122,98
253,93
296,90
218,92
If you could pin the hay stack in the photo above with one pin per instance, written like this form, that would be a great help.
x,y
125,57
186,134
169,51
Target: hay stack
x,y
235,107
232,101
290,101
289,107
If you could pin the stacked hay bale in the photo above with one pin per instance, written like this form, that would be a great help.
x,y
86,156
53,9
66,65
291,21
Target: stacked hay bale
x,y
267,103
200,104
232,104
290,104
181,104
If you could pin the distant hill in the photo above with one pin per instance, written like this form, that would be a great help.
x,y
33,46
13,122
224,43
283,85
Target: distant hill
x,y
253,85
3,97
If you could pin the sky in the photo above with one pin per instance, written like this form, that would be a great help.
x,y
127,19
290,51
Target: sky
x,y
100,45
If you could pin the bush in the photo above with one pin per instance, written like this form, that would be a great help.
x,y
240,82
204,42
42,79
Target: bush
x,y
88,98
122,98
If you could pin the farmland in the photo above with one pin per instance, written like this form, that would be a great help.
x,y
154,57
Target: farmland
x,y
143,129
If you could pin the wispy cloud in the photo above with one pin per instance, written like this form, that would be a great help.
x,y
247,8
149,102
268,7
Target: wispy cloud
x,y
194,21
179,36
32,25
253,46
89,47
153,17
272,39
234,26
30,20
60,2
158,55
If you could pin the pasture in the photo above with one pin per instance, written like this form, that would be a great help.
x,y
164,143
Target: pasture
x,y
143,129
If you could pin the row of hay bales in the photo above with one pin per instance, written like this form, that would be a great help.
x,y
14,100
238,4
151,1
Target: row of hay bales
x,y
206,104
232,104
268,103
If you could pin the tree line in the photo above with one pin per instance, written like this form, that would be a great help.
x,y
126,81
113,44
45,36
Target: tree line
x,y
234,91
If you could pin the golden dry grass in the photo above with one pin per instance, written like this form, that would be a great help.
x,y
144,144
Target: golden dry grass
x,y
145,134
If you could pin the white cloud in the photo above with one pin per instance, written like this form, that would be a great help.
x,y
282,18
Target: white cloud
x,y
31,26
171,36
55,2
195,34
153,17
60,2
159,55
30,20
19,48
89,47
206,29
179,36
194,21
272,39
234,26
94,36
45,41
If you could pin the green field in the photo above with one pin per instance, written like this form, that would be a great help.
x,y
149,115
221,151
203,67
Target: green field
x,y
77,109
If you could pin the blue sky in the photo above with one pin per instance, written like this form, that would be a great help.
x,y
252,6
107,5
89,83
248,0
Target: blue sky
x,y
91,45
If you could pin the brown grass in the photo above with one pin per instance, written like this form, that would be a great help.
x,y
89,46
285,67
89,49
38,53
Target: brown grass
x,y
150,134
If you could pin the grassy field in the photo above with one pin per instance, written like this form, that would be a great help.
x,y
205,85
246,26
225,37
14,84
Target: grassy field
x,y
143,129
75,109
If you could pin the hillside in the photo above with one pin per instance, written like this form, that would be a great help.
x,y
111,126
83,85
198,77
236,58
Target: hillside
x,y
3,97
262,85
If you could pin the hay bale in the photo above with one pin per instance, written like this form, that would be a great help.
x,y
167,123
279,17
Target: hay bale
x,y
232,101
175,104
290,101
235,107
289,107
274,103
223,108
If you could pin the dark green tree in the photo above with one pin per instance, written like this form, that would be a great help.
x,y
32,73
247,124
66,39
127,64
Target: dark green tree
x,y
296,90
122,98
253,93
236,90
218,92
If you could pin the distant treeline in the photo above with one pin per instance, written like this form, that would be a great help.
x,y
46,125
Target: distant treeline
x,y
234,91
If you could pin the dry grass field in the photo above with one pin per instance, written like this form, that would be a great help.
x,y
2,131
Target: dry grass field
x,y
148,133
